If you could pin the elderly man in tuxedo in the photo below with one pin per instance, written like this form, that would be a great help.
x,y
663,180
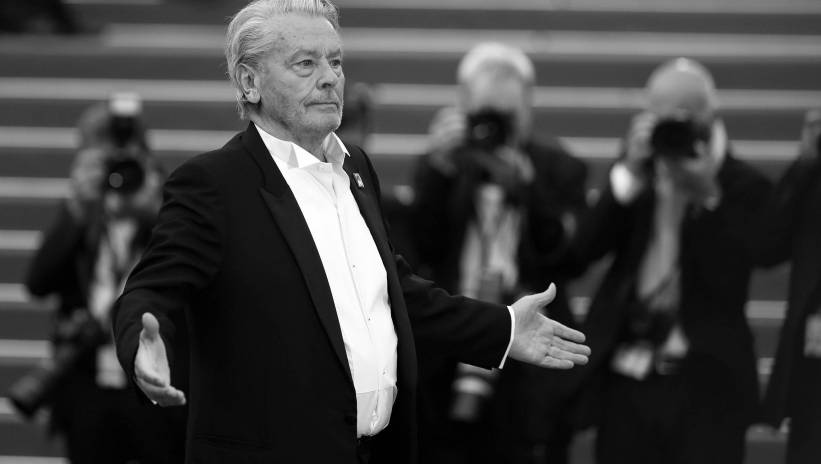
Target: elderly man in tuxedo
x,y
304,325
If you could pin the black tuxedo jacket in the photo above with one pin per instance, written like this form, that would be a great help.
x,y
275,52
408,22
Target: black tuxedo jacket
x,y
715,260
270,380
791,230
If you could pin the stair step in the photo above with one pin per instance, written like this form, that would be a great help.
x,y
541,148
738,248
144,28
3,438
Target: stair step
x,y
747,123
471,16
784,69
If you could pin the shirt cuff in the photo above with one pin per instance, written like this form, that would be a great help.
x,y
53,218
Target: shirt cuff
x,y
512,331
625,185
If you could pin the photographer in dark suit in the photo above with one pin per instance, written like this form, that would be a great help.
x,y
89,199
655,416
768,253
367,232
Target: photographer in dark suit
x,y
673,374
496,202
99,234
791,230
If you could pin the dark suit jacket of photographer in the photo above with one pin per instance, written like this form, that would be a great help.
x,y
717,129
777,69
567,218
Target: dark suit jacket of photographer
x,y
63,266
525,407
715,261
444,205
791,230
270,380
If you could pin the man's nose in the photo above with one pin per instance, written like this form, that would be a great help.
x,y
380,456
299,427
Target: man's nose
x,y
328,75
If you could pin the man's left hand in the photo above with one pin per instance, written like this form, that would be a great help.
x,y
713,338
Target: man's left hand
x,y
541,341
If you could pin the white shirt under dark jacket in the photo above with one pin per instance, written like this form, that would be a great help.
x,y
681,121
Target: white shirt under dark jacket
x,y
355,272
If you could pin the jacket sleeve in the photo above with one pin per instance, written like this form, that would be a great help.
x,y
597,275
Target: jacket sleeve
x,y
555,204
777,221
182,257
602,229
461,328
54,266
436,213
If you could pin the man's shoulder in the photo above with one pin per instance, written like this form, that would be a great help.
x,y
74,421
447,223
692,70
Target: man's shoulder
x,y
737,172
219,160
551,154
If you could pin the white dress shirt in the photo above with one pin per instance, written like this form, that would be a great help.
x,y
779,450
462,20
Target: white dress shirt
x,y
354,269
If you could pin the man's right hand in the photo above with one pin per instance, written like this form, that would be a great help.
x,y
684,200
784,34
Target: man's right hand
x,y
87,172
151,370
447,131
638,151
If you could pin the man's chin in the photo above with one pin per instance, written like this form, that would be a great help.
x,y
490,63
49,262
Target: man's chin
x,y
325,123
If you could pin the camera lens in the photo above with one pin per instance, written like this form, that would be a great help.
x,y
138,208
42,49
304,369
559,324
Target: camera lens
x,y
488,129
124,175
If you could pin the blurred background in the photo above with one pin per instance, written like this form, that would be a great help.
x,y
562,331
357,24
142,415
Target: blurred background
x,y
592,59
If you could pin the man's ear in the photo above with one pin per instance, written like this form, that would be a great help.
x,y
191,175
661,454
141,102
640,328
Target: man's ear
x,y
248,83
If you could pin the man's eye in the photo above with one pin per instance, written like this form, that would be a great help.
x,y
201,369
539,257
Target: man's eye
x,y
336,63
305,63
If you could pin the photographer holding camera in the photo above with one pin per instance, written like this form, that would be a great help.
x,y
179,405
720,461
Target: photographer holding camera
x,y
99,233
673,373
789,231
496,203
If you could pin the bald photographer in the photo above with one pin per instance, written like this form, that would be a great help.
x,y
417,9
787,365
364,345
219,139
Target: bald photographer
x,y
673,374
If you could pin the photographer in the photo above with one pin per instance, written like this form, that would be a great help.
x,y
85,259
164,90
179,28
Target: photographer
x,y
789,231
99,233
673,374
496,203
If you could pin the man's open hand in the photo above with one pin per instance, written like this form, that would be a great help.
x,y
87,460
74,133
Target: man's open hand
x,y
151,370
541,341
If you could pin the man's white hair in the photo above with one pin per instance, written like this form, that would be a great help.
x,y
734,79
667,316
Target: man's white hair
x,y
249,39
495,57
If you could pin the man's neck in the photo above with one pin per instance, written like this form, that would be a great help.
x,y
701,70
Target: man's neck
x,y
312,143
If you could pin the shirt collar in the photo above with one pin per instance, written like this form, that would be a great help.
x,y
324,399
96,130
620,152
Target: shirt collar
x,y
294,156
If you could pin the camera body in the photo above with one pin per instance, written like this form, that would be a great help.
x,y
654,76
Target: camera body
x,y
76,338
124,168
676,137
488,129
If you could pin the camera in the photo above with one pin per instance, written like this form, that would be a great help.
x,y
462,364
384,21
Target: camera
x,y
676,137
124,172
76,338
488,129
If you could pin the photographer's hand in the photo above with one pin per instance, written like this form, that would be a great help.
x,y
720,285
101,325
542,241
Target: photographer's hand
x,y
151,369
638,152
811,136
447,131
87,174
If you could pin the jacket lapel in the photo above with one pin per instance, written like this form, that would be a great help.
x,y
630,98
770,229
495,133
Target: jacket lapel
x,y
289,219
367,199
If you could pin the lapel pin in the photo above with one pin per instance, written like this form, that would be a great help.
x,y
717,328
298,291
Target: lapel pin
x,y
358,179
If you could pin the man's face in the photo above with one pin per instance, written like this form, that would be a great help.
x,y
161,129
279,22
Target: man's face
x,y
505,94
301,81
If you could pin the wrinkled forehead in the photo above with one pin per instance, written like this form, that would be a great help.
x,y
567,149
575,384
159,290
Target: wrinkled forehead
x,y
293,32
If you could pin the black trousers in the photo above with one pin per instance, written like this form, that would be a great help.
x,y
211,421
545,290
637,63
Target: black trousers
x,y
804,441
656,421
